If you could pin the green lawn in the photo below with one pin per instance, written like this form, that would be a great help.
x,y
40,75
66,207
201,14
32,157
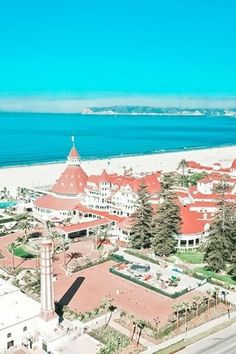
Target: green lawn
x,y
208,273
21,252
191,257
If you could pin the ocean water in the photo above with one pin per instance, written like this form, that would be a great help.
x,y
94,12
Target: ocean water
x,y
27,138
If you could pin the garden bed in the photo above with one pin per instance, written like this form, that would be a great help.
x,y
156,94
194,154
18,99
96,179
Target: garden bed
x,y
113,340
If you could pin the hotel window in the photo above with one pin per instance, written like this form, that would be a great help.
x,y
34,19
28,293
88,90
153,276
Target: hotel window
x,y
10,344
8,335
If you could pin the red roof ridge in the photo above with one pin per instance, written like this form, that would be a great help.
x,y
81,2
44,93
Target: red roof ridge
x,y
233,166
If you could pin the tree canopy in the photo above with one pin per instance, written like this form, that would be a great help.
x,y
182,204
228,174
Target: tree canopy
x,y
142,218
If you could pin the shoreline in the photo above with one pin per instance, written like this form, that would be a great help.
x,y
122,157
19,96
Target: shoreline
x,y
147,153
46,174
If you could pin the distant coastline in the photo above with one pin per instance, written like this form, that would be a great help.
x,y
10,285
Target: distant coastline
x,y
155,111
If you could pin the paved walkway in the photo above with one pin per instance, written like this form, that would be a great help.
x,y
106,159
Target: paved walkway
x,y
230,295
191,333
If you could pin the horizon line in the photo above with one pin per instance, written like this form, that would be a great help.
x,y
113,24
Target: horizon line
x,y
78,103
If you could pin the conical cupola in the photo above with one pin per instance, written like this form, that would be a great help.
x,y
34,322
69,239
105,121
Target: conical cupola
x,y
73,180
73,158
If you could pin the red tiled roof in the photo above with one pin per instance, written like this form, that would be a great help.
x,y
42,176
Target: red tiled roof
x,y
55,203
182,194
203,204
191,222
196,165
104,177
102,213
93,179
85,225
72,181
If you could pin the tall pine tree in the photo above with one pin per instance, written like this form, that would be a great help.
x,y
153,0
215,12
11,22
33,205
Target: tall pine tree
x,y
166,222
221,243
141,230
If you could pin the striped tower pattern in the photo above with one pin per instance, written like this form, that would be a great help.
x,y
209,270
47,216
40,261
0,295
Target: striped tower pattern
x,y
47,294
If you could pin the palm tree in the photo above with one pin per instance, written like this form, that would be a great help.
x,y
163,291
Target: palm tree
x,y
74,255
182,165
209,293
65,246
94,236
141,325
185,306
177,307
103,234
4,193
25,225
197,302
111,308
11,249
54,235
134,322
216,295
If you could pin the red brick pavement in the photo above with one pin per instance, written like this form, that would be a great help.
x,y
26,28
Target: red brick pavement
x,y
99,283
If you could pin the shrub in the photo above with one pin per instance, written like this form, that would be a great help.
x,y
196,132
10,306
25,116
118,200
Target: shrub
x,y
118,258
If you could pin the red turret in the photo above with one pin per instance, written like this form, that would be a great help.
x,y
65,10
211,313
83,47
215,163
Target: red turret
x,y
73,180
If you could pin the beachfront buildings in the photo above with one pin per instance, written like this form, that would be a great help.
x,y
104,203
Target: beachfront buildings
x,y
110,199
76,194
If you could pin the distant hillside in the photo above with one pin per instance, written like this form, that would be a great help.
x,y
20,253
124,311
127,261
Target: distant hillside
x,y
148,110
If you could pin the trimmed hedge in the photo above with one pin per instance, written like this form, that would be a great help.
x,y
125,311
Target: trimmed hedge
x,y
197,275
14,218
5,220
148,286
118,258
142,256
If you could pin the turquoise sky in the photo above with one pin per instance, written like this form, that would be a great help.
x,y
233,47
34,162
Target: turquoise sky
x,y
80,47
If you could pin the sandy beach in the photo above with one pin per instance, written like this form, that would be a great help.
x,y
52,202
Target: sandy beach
x,y
46,174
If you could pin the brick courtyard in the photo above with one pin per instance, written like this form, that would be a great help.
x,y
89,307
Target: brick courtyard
x,y
92,285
